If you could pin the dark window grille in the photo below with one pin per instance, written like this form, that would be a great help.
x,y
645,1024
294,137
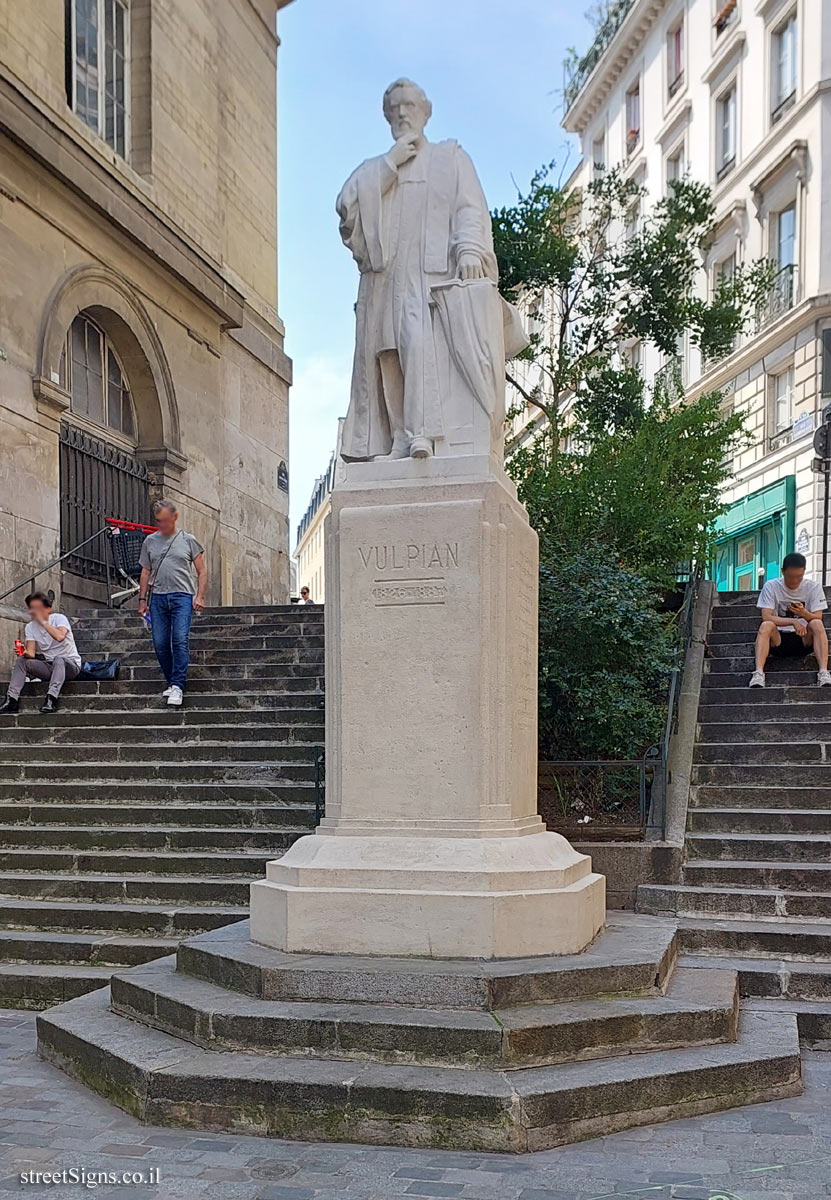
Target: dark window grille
x,y
97,480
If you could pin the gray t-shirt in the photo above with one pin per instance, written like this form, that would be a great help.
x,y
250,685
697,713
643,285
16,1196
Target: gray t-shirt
x,y
171,570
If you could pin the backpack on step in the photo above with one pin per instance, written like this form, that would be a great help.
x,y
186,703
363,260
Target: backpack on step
x,y
106,669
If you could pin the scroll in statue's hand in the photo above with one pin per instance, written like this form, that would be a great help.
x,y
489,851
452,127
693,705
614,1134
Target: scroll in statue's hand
x,y
470,266
405,148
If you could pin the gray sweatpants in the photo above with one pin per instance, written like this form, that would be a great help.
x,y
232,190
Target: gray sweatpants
x,y
54,673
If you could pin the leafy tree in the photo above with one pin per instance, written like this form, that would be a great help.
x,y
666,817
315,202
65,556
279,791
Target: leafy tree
x,y
622,479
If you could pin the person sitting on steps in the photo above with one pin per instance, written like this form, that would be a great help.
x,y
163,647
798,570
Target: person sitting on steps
x,y
792,627
50,636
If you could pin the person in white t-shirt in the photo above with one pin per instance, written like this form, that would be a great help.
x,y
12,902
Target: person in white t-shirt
x,y
50,655
792,625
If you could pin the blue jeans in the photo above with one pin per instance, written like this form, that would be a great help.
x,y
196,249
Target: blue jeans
x,y
170,616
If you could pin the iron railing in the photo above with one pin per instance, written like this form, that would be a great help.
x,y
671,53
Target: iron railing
x,y
781,298
576,73
320,787
656,757
28,580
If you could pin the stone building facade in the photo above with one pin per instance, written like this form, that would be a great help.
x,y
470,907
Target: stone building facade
x,y
309,550
141,350
737,93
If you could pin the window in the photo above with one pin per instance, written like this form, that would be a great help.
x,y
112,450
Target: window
x,y
97,33
726,132
675,59
782,402
784,67
599,155
633,215
726,15
92,374
633,117
676,164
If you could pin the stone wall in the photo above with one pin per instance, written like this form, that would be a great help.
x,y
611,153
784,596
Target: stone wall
x,y
177,249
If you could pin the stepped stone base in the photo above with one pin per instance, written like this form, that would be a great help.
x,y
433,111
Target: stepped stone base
x,y
513,1055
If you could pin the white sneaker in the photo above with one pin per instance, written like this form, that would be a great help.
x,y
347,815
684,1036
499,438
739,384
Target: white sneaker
x,y
166,692
175,698
757,679
824,678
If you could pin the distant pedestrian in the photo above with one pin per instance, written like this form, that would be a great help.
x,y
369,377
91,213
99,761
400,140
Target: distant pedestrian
x,y
49,654
305,598
173,582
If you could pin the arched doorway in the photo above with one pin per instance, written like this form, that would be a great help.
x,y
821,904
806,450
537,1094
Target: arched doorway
x,y
102,372
100,473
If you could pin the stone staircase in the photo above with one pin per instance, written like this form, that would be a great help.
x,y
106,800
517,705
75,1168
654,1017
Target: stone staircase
x,y
126,826
755,893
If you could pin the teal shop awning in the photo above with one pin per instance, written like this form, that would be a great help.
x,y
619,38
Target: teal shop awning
x,y
759,508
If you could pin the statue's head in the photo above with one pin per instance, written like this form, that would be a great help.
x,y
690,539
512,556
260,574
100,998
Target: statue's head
x,y
406,107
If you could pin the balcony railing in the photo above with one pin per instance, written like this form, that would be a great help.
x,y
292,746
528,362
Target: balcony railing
x,y
781,298
576,73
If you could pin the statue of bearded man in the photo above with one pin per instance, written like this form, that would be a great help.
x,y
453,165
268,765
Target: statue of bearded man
x,y
417,223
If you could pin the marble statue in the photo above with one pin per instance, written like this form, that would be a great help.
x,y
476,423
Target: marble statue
x,y
432,331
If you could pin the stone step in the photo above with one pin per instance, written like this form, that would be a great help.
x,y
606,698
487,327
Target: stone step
x,y
119,645
779,672
201,678
779,978
100,949
129,792
99,757
40,985
783,937
101,741
749,774
139,889
696,1010
712,796
126,838
781,687
778,753
116,718
160,1079
777,876
762,705
635,955
152,920
136,862
813,1018
148,706
256,770
759,820
688,900
210,655
242,817
769,847
801,729
743,622
220,612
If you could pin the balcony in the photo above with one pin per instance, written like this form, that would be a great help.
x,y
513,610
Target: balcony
x,y
781,298
576,73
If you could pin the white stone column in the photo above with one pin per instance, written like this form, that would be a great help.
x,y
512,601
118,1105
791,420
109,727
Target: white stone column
x,y
431,844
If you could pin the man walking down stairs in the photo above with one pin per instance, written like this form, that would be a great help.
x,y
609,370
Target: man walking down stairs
x,y
126,825
755,891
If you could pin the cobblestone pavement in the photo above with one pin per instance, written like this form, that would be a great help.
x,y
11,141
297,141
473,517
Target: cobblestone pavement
x,y
48,1122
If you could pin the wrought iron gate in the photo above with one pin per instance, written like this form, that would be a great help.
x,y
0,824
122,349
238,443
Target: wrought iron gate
x,y
97,480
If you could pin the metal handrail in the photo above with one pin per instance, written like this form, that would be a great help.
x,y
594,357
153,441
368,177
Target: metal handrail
x,y
30,579
657,755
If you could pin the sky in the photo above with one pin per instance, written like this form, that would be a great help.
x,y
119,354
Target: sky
x,y
493,71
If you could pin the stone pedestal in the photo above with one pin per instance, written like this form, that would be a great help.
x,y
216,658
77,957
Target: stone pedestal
x,y
431,844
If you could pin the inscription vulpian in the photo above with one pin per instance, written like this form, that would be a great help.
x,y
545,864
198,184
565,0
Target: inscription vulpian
x,y
403,556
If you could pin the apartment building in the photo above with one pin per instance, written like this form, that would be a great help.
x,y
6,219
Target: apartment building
x,y
737,93
309,551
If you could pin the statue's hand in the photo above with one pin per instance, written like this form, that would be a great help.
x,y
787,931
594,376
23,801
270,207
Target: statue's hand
x,y
470,266
404,149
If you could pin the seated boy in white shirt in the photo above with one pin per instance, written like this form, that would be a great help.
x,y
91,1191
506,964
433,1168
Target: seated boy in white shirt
x,y
792,627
